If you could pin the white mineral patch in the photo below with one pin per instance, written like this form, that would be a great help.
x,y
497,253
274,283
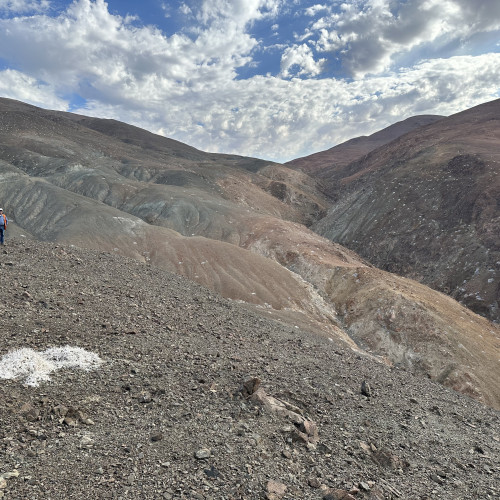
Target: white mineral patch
x,y
35,367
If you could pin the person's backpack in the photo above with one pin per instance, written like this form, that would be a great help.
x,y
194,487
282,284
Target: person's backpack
x,y
4,221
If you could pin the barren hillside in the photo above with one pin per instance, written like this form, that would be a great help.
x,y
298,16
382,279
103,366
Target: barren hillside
x,y
174,410
427,206
235,225
323,163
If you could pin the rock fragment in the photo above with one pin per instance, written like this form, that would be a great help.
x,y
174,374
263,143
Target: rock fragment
x,y
436,479
387,459
145,397
306,430
86,442
202,454
336,494
364,486
7,475
157,436
212,472
29,412
314,482
250,386
275,490
366,389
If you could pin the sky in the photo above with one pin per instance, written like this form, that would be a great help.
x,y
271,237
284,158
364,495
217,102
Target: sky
x,y
273,79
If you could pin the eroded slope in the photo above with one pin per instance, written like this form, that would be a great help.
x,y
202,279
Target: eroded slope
x,y
231,224
426,206
324,163
163,417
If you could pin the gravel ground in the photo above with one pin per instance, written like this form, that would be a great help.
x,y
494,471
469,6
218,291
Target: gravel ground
x,y
163,415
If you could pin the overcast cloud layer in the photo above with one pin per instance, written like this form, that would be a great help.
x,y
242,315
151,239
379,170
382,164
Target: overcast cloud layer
x,y
269,78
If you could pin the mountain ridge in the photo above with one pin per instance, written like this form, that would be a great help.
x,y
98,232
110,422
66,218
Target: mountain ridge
x,y
425,206
239,232
320,163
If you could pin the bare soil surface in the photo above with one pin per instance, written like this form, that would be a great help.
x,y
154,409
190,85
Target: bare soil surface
x,y
164,417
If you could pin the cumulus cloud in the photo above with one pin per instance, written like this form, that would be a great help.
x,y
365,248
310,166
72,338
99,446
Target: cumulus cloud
x,y
23,6
17,85
185,9
99,55
278,119
89,50
185,86
370,34
314,9
301,58
239,12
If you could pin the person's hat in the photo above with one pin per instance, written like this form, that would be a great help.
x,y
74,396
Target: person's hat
x,y
1,209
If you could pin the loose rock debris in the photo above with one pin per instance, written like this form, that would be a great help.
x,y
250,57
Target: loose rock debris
x,y
132,428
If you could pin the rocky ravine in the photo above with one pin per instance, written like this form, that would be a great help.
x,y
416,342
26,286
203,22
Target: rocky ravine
x,y
427,206
164,417
231,224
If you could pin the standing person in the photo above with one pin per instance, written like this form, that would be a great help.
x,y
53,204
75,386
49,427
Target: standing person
x,y
3,225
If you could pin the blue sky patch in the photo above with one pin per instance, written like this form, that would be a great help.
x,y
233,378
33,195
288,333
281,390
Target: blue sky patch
x,y
269,78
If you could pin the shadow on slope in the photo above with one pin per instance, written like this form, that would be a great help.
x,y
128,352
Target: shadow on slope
x,y
67,183
426,206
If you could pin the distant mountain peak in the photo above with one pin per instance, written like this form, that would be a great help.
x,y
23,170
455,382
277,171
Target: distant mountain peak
x,y
353,149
